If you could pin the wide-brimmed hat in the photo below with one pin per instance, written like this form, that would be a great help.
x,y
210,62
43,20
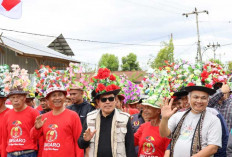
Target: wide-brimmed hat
x,y
121,97
104,83
17,81
180,93
217,85
152,101
200,88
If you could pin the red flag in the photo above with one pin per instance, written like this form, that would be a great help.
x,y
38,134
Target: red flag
x,y
11,8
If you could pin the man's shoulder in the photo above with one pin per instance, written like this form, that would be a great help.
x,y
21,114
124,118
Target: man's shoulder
x,y
211,115
124,113
93,112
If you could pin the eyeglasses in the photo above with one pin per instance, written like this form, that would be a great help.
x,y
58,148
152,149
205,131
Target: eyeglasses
x,y
109,98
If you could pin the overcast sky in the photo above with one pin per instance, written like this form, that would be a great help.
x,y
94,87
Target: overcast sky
x,y
142,22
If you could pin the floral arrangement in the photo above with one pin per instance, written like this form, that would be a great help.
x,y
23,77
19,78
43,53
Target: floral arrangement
x,y
104,81
47,80
74,77
199,77
216,71
130,90
3,70
16,80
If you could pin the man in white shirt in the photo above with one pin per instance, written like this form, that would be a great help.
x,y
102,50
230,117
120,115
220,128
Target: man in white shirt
x,y
195,132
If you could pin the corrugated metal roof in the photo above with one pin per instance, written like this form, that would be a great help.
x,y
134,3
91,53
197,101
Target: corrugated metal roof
x,y
61,45
33,49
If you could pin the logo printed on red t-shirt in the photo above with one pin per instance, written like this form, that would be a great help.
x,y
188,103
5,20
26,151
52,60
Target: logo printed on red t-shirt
x,y
52,133
148,147
136,123
16,130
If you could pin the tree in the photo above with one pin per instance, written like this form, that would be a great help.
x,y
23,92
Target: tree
x,y
130,63
109,61
165,54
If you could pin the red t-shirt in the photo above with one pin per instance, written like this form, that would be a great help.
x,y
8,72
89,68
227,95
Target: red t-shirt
x,y
150,143
60,134
1,121
16,130
39,108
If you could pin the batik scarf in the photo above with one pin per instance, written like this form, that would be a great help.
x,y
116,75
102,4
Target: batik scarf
x,y
197,136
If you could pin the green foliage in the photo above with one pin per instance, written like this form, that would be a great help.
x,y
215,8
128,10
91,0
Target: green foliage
x,y
135,77
109,61
229,67
130,63
165,54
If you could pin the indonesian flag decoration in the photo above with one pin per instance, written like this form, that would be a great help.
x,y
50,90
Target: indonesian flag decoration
x,y
11,8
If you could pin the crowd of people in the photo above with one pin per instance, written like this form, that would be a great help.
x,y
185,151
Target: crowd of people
x,y
179,110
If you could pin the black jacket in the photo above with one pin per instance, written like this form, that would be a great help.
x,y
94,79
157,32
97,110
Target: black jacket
x,y
82,109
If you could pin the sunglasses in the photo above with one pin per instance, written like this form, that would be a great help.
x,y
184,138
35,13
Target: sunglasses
x,y
109,98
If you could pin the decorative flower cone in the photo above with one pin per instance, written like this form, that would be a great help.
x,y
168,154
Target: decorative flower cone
x,y
49,80
3,70
156,92
104,83
17,81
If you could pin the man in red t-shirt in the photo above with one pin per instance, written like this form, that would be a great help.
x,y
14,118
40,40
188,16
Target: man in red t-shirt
x,y
16,127
61,127
3,110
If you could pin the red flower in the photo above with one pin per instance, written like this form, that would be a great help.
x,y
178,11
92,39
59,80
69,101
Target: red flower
x,y
53,68
101,87
144,79
115,87
37,85
106,73
100,70
37,71
141,85
112,78
191,84
215,80
96,77
205,67
204,74
100,76
208,86
40,94
58,72
109,88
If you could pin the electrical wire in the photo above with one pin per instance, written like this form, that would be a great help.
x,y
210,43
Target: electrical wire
x,y
81,40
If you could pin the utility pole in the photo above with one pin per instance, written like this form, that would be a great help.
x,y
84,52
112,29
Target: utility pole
x,y
198,34
214,48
